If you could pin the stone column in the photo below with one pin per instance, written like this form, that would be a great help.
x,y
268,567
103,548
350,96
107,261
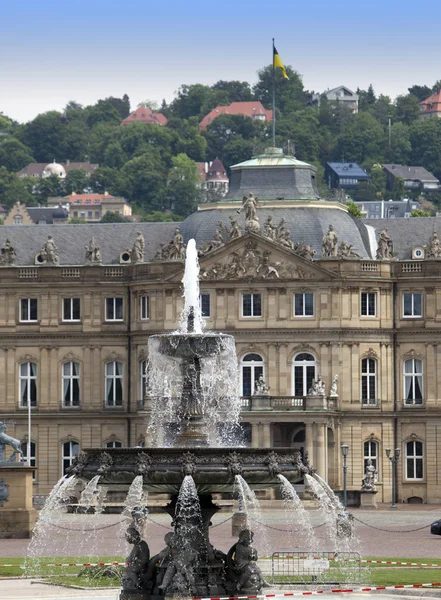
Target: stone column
x,y
255,435
320,438
309,441
267,442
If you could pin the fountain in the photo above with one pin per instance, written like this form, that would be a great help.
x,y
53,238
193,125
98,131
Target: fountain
x,y
193,388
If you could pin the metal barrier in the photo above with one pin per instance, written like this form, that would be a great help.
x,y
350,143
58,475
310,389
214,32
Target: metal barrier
x,y
304,568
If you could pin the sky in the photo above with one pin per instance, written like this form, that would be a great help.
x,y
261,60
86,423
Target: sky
x,y
54,52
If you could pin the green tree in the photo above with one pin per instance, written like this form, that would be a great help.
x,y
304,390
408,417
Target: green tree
x,y
383,109
182,192
227,128
417,212
290,95
420,91
143,179
160,217
193,101
236,150
237,91
76,221
378,180
400,146
407,108
105,179
121,105
102,112
139,138
366,98
114,155
45,136
425,139
187,138
364,192
398,190
14,155
113,217
302,127
353,210
363,139
76,181
13,189
48,186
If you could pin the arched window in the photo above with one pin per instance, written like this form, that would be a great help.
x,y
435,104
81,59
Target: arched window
x,y
304,373
28,384
369,381
33,455
413,381
142,379
114,394
69,451
18,220
252,368
113,444
414,460
370,451
70,375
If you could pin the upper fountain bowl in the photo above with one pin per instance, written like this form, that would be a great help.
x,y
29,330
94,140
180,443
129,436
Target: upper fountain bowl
x,y
192,345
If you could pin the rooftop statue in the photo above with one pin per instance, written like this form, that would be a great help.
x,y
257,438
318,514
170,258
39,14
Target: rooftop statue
x,y
385,248
250,204
7,440
49,252
174,250
345,251
137,253
269,230
93,253
434,249
330,243
7,254
213,244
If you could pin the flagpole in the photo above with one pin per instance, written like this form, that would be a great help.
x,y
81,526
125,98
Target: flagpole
x,y
274,101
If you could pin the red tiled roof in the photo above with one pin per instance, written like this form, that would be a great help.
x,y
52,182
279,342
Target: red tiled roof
x,y
432,103
145,115
247,109
217,171
89,199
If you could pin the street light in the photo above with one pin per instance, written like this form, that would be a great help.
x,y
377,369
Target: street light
x,y
394,460
344,451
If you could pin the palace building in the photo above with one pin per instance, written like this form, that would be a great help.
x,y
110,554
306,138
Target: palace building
x,y
312,296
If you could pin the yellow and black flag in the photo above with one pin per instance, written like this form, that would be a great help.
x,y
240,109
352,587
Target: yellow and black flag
x,y
277,62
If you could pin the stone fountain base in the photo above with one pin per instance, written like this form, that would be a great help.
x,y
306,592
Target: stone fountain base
x,y
17,516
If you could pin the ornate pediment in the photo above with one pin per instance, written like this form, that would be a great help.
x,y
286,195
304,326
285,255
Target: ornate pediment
x,y
250,257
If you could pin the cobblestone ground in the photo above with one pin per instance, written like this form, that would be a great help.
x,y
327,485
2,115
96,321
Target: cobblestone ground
x,y
401,533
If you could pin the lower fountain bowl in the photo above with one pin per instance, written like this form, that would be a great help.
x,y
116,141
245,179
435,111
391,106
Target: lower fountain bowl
x,y
213,469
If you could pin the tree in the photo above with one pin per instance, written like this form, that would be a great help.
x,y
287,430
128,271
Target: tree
x,y
366,98
237,150
187,138
364,192
363,139
182,192
398,189
105,179
237,91
113,217
193,101
378,180
142,180
290,95
353,210
45,136
417,212
14,155
76,181
160,217
420,91
48,187
407,108
400,146
76,221
383,109
13,189
114,155
227,128
102,112
425,139
121,105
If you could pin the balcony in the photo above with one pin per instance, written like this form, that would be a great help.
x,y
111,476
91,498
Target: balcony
x,y
275,403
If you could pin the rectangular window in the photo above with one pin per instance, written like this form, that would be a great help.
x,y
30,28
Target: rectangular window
x,y
28,384
114,309
414,460
304,304
369,381
145,308
114,394
251,305
412,305
28,310
205,305
368,304
71,384
71,309
371,452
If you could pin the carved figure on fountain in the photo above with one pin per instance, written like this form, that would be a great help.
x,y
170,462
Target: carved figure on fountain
x,y
133,579
243,571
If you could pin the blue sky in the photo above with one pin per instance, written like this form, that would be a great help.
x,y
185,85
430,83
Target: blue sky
x,y
53,52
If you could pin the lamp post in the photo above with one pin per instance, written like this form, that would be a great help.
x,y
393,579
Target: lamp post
x,y
344,452
394,460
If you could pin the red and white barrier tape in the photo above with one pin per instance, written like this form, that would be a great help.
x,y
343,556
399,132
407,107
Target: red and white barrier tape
x,y
109,564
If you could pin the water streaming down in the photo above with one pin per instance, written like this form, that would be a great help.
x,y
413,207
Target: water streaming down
x,y
253,512
296,514
90,495
135,508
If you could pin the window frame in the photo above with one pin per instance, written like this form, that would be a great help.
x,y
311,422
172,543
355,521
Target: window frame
x,y
68,458
113,444
413,315
206,295
65,319
29,310
142,379
413,375
306,377
29,378
374,457
366,374
368,307
144,307
257,368
114,309
70,378
415,460
303,314
115,377
252,296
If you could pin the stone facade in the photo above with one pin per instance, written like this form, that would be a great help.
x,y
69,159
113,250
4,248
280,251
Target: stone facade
x,y
74,344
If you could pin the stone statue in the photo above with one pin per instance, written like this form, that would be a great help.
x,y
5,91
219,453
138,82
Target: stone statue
x,y
175,250
235,230
137,253
304,250
283,236
269,230
137,561
7,254
241,560
260,387
330,243
333,392
213,244
368,481
7,440
249,205
93,253
434,249
385,248
49,252
345,251
317,388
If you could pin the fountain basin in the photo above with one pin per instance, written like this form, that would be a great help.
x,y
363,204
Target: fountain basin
x,y
213,469
188,345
